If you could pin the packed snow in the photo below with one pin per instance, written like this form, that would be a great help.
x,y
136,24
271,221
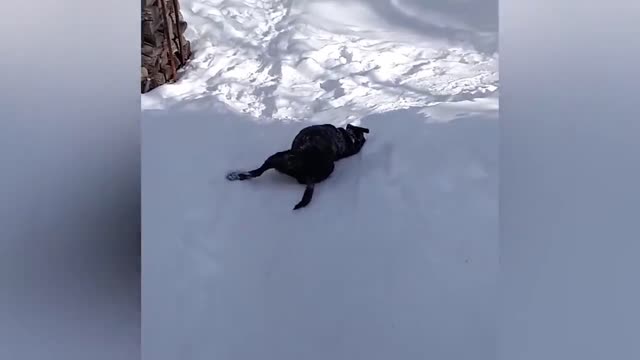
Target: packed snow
x,y
396,256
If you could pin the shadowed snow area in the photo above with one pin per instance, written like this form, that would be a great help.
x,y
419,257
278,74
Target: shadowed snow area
x,y
396,256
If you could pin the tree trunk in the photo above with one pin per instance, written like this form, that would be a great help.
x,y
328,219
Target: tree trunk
x,y
161,57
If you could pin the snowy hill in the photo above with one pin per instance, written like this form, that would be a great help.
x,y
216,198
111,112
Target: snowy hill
x,y
396,256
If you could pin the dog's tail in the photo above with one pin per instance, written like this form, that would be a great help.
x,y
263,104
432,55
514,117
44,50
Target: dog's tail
x,y
358,128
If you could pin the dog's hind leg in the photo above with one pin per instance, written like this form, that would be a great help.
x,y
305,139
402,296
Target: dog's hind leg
x,y
322,169
238,175
245,175
270,163
306,197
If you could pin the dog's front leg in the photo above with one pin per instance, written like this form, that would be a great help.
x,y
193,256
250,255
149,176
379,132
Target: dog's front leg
x,y
306,197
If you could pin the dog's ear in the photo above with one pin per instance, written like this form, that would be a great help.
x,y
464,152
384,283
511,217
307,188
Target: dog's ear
x,y
358,128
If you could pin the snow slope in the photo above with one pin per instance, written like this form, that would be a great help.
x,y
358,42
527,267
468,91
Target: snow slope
x,y
396,256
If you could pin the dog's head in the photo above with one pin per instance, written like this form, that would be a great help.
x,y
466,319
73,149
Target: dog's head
x,y
357,134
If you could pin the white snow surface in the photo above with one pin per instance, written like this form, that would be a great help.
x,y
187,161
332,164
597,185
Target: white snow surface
x,y
326,61
395,257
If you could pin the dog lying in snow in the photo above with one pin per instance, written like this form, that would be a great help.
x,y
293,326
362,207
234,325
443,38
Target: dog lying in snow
x,y
311,157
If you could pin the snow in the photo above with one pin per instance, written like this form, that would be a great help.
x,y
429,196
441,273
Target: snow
x,y
395,257
269,58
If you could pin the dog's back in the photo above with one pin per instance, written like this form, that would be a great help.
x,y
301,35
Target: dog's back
x,y
322,139
330,141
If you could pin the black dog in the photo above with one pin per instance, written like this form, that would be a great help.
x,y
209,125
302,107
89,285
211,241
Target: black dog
x,y
311,157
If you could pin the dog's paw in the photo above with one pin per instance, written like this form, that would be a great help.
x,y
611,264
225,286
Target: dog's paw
x,y
236,175
232,176
298,206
